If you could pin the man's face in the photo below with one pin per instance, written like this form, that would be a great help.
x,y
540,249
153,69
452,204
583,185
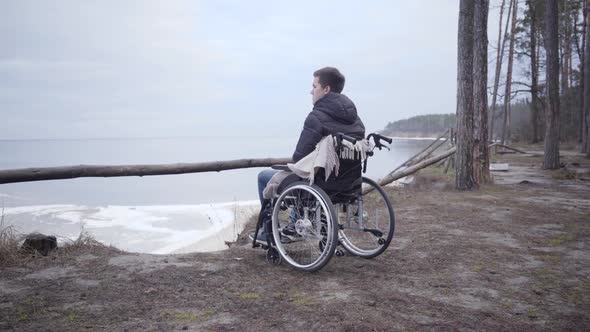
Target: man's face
x,y
317,90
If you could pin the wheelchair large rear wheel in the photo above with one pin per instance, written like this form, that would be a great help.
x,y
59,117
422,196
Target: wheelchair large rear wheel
x,y
310,211
367,222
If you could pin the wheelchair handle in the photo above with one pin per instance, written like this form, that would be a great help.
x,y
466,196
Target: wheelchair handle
x,y
341,136
377,139
386,139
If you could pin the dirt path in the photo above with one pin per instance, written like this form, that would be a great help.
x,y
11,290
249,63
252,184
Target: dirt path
x,y
508,257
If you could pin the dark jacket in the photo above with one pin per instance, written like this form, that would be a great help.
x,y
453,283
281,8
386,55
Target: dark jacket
x,y
333,113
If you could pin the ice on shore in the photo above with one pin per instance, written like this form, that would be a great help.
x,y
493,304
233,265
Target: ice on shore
x,y
157,229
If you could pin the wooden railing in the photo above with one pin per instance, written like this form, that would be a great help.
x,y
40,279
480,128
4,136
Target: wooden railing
x,y
70,172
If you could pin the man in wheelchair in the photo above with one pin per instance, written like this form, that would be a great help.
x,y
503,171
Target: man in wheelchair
x,y
332,113
322,201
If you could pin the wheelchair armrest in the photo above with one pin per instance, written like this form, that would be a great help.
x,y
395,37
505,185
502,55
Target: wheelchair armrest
x,y
280,167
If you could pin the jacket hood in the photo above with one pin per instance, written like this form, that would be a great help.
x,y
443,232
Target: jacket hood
x,y
338,107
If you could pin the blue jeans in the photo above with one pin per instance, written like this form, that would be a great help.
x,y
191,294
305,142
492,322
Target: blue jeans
x,y
263,178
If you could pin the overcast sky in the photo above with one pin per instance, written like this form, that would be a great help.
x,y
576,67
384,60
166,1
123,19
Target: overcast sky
x,y
87,69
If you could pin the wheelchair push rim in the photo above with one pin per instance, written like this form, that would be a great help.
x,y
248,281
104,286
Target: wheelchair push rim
x,y
309,208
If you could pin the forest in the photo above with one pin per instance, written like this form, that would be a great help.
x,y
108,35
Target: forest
x,y
516,87
429,125
537,88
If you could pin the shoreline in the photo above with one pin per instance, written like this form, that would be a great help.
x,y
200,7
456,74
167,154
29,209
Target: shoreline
x,y
155,229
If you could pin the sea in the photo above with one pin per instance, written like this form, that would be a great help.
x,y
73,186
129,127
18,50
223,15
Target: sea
x,y
151,214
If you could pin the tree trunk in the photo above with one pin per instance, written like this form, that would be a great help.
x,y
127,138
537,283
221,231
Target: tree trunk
x,y
582,56
534,73
587,77
572,28
565,51
508,91
551,160
566,114
499,57
542,88
464,156
70,172
481,167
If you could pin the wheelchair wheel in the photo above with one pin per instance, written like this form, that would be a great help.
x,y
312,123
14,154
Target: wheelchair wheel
x,y
367,222
273,257
315,235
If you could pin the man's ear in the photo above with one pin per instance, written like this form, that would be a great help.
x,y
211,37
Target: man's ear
x,y
327,89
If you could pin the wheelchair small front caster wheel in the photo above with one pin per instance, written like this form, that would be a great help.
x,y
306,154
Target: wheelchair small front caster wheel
x,y
339,253
273,257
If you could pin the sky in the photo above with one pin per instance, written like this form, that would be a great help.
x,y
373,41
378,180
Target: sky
x,y
109,69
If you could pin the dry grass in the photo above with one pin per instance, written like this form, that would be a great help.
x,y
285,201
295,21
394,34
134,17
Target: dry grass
x,y
243,238
9,244
85,241
433,178
12,254
564,174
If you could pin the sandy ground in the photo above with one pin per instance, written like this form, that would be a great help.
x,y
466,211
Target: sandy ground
x,y
511,256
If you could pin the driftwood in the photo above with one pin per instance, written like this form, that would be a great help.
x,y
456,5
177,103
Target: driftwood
x,y
70,172
389,178
411,160
412,169
428,154
510,148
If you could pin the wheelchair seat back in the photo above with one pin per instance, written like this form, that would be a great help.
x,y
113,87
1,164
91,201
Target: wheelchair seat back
x,y
344,186
340,188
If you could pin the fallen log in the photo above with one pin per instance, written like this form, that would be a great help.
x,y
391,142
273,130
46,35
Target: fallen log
x,y
70,172
510,148
425,156
412,169
389,178
410,161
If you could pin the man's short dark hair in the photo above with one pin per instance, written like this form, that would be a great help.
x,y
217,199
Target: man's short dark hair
x,y
332,77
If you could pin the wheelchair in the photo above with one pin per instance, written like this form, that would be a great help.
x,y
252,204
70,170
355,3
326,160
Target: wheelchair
x,y
348,211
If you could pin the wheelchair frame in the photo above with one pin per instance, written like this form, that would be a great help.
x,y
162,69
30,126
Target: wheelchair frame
x,y
320,221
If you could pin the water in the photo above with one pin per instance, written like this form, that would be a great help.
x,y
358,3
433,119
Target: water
x,y
150,190
157,214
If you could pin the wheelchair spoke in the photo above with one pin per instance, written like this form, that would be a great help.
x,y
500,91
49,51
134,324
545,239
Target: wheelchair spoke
x,y
306,206
369,222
